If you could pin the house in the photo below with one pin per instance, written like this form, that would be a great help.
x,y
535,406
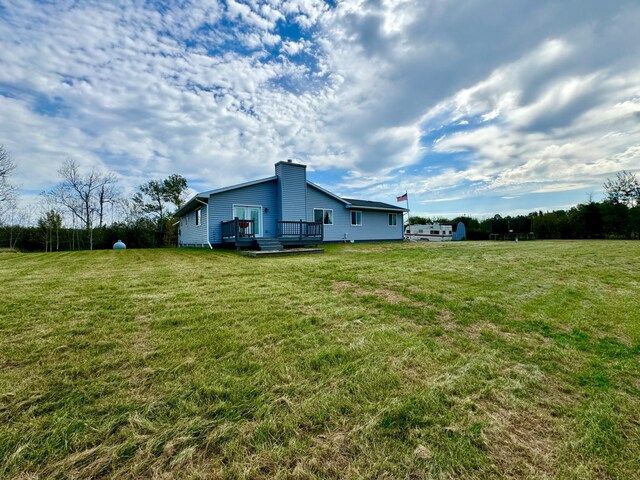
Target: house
x,y
285,209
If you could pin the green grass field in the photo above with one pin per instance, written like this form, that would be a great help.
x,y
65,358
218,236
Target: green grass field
x,y
473,360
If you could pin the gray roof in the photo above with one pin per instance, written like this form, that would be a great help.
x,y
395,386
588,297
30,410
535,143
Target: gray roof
x,y
368,205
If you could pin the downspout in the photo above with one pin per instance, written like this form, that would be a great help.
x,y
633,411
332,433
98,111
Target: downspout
x,y
207,204
174,224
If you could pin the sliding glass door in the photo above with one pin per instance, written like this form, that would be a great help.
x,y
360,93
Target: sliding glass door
x,y
250,212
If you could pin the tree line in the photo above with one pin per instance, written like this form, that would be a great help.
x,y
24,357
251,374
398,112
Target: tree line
x,y
86,210
616,217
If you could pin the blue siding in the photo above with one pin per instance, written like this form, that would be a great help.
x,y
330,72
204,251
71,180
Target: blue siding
x,y
189,233
292,190
286,197
375,224
262,194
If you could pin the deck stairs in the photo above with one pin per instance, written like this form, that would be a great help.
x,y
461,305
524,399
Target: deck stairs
x,y
269,244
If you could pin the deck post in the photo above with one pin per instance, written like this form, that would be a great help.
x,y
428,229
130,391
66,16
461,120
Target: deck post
x,y
300,229
237,228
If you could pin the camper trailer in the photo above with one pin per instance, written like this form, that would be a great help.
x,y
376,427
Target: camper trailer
x,y
433,232
436,232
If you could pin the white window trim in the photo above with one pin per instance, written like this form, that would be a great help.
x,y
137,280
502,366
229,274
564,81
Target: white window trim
x,y
395,215
323,210
198,211
356,224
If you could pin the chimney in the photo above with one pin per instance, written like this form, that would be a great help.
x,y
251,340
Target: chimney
x,y
292,190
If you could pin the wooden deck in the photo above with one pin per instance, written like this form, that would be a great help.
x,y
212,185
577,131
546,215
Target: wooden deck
x,y
241,233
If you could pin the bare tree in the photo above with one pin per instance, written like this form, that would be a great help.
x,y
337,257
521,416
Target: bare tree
x,y
84,195
7,189
18,220
108,194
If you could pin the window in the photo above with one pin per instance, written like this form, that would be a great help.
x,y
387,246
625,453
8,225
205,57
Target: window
x,y
356,218
435,232
323,215
393,220
198,215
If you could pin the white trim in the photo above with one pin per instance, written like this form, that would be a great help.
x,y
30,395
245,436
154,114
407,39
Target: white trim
x,y
356,224
395,215
385,209
259,207
323,210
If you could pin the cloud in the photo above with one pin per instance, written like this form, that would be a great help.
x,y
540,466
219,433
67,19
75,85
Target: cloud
x,y
459,99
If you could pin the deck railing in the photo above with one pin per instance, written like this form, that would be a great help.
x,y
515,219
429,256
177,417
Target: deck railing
x,y
237,229
300,230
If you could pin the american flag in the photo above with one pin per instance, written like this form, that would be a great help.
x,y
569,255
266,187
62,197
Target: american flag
x,y
402,198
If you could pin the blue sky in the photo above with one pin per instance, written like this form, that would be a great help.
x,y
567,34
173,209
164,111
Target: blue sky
x,y
473,106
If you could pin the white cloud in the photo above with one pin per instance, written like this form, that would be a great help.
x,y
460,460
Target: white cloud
x,y
147,93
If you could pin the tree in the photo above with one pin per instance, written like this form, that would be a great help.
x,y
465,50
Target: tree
x,y
49,225
418,220
107,194
18,220
7,189
156,198
625,189
84,195
590,220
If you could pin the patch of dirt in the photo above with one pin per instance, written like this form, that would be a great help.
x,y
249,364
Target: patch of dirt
x,y
330,457
525,442
522,444
446,316
389,295
342,286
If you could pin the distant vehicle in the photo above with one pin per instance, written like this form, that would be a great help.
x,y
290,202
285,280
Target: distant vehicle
x,y
436,232
433,232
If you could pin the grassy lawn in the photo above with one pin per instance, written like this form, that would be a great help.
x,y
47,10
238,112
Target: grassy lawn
x,y
475,360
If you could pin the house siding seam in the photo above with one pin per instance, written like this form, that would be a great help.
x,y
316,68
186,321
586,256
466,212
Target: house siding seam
x,y
190,234
375,224
221,207
292,190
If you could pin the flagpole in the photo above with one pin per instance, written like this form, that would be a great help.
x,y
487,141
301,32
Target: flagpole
x,y
408,211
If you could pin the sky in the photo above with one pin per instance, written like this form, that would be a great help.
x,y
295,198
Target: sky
x,y
473,107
